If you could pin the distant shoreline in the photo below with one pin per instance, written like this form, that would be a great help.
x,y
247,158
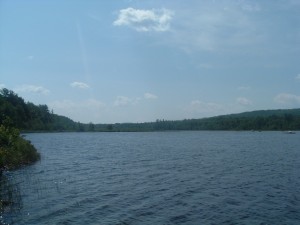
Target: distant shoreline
x,y
38,118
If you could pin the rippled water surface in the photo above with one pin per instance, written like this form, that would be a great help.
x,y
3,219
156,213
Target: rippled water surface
x,y
160,178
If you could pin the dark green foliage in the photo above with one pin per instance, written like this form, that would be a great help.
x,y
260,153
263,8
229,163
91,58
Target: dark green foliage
x,y
91,127
29,117
257,120
62,123
23,115
13,107
14,150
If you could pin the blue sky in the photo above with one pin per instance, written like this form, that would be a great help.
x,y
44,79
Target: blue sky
x,y
137,61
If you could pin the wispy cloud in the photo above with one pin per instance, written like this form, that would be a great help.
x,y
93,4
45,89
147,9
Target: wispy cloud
x,y
71,105
243,101
250,7
217,25
79,85
205,108
205,66
286,98
97,18
30,57
90,109
244,88
145,20
124,101
32,89
150,96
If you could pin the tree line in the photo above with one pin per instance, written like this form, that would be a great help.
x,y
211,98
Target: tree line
x,y
15,151
33,118
27,116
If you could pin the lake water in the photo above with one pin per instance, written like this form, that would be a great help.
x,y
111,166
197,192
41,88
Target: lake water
x,y
165,178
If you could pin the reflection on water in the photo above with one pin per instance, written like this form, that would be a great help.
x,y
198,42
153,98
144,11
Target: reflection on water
x,y
11,201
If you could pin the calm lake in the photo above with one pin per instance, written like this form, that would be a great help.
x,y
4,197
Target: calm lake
x,y
189,177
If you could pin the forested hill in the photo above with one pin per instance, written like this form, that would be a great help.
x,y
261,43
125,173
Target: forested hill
x,y
281,119
30,117
267,113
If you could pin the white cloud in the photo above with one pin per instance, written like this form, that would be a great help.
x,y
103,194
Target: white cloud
x,y
150,96
145,20
79,85
297,77
32,89
243,101
2,86
286,98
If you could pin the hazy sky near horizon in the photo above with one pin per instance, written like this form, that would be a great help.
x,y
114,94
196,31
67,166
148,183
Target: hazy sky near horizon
x,y
137,61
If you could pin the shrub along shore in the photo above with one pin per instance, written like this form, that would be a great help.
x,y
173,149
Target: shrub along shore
x,y
15,151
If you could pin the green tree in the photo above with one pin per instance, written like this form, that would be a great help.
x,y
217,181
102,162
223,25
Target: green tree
x,y
91,127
